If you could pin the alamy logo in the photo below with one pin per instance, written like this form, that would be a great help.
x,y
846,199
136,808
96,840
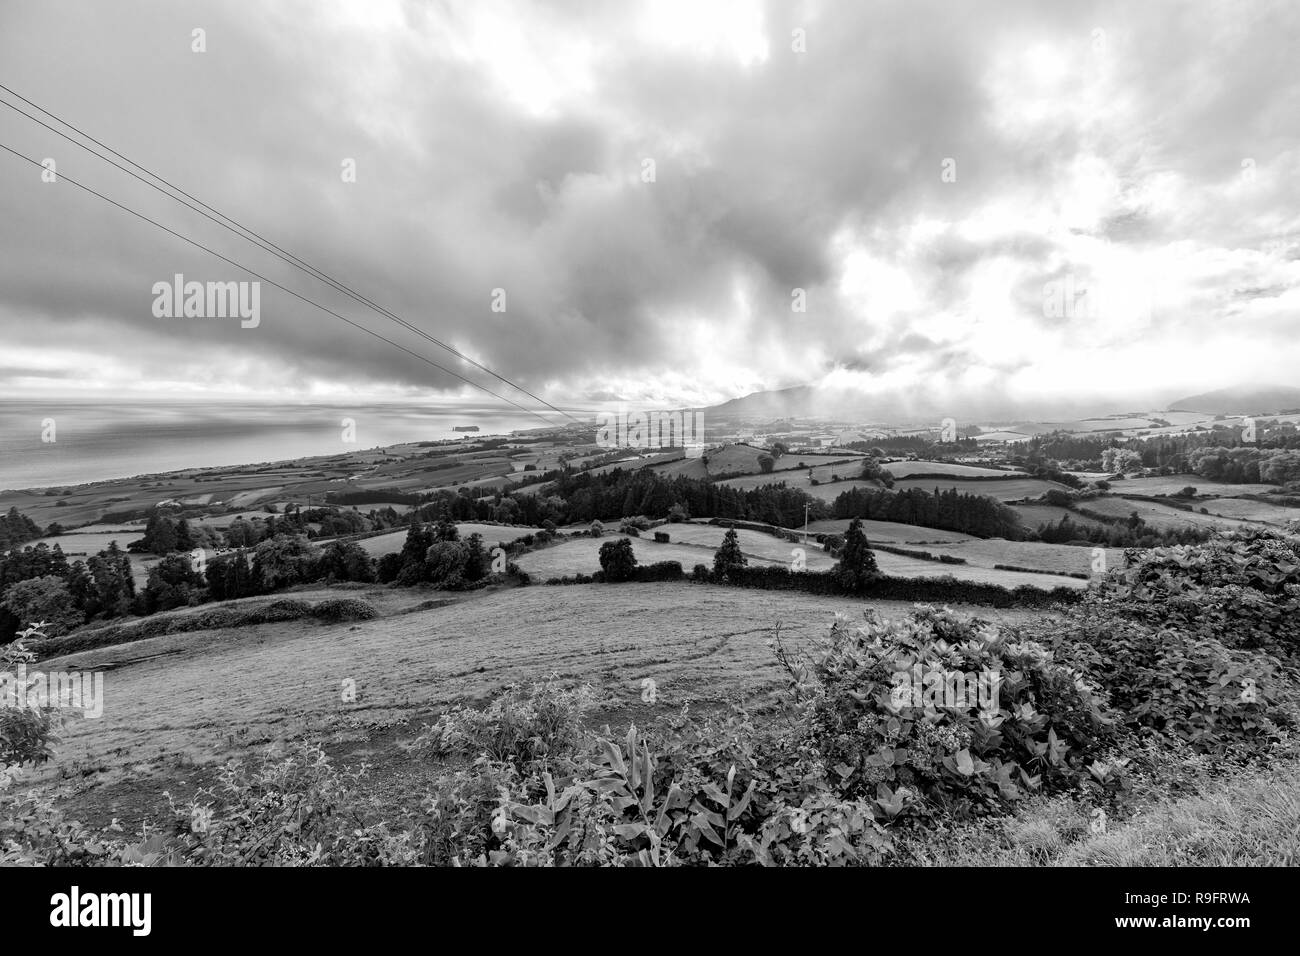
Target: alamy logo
x,y
624,429
213,300
74,690
102,909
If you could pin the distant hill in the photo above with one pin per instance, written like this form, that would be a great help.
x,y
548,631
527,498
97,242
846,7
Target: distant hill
x,y
1241,400
794,402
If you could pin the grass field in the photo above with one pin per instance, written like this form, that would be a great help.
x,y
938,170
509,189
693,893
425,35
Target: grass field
x,y
696,544
178,705
888,532
391,543
1249,510
1033,515
1174,484
1064,558
901,469
1157,515
582,555
1012,489
825,491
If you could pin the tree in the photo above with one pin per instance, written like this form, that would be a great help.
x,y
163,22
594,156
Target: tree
x,y
779,448
172,583
445,563
345,561
230,577
42,599
597,529
617,560
728,555
113,587
766,463
445,530
283,561
857,565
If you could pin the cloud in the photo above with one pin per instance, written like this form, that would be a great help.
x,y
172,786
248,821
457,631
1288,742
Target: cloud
x,y
503,146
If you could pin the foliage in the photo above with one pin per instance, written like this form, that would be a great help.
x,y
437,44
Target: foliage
x,y
728,557
857,565
617,560
1035,726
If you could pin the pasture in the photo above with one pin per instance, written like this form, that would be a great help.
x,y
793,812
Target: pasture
x,y
904,469
176,705
1012,489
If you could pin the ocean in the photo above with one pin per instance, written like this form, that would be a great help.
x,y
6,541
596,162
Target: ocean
x,y
95,441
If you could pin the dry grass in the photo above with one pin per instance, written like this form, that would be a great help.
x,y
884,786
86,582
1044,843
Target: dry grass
x,y
206,696
1249,819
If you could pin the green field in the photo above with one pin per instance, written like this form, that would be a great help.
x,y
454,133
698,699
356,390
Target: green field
x,y
176,706
1067,559
888,532
902,469
1158,515
825,491
1174,484
1249,510
1013,489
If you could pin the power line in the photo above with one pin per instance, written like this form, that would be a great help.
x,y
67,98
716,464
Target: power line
x,y
245,233
272,282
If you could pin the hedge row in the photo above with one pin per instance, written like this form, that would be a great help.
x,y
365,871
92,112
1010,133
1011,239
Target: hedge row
x,y
922,555
923,590
944,590
1082,575
331,611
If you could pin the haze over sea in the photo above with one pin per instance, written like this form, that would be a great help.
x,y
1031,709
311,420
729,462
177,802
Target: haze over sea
x,y
98,440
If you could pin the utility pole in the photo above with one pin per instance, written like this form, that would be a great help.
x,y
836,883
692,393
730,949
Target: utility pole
x,y
805,522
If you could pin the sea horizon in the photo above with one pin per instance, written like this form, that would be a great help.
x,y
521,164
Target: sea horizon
x,y
95,441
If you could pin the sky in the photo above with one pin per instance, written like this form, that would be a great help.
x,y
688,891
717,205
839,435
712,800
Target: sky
x,y
673,203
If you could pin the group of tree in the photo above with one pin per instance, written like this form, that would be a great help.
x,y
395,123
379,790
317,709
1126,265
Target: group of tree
x,y
165,533
950,509
38,583
436,554
1131,532
16,529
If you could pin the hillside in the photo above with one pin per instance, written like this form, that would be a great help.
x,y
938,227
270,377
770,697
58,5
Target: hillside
x,y
1242,400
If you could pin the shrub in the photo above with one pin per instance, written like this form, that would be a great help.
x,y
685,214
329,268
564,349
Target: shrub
x,y
728,557
1167,682
1240,588
297,810
857,565
344,609
617,560
1046,730
522,726
661,537
659,571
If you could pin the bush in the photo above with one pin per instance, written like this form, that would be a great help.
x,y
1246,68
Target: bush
x,y
617,560
857,566
1170,683
344,609
1240,588
728,558
522,726
659,571
661,537
1037,727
